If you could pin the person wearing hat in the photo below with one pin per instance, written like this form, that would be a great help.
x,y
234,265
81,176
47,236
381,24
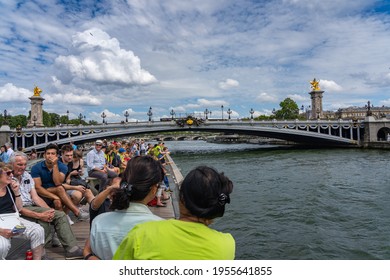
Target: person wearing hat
x,y
96,165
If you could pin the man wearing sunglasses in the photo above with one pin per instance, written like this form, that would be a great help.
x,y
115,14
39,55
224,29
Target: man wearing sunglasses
x,y
96,166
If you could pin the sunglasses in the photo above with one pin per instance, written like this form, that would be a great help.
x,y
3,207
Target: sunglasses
x,y
9,173
98,145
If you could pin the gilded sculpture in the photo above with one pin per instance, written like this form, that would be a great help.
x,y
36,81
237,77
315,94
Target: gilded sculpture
x,y
315,85
37,91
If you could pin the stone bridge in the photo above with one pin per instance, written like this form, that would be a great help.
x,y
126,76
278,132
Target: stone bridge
x,y
309,132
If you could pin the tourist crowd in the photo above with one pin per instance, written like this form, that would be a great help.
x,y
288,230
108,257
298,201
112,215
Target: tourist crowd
x,y
128,177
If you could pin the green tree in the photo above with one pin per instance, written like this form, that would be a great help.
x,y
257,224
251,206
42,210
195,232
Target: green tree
x,y
17,120
288,110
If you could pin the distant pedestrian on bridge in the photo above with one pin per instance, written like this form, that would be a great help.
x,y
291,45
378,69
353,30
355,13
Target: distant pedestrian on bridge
x,y
96,165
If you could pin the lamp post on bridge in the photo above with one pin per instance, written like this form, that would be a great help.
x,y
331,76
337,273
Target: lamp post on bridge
x,y
368,107
207,112
67,116
150,114
172,113
229,112
80,118
222,111
103,115
252,112
5,122
126,115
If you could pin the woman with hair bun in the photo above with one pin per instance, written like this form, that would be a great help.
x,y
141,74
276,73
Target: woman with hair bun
x,y
138,186
203,196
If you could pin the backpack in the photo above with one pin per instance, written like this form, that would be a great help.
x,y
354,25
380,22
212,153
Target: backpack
x,y
116,161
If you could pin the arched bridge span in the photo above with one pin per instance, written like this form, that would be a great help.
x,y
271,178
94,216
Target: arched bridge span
x,y
315,133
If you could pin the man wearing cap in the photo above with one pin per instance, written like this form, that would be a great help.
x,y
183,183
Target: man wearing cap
x,y
96,165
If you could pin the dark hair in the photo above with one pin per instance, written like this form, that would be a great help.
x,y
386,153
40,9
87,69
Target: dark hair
x,y
205,192
140,174
51,147
66,148
77,154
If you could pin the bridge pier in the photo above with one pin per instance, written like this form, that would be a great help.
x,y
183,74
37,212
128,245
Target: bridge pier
x,y
376,132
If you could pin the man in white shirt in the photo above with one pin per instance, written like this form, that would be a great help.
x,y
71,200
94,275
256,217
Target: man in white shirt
x,y
96,166
9,149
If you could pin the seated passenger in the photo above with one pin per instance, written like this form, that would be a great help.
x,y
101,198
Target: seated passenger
x,y
10,206
138,186
76,187
36,210
96,166
49,176
203,195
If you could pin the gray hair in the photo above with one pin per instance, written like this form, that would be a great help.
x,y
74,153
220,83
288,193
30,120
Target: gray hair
x,y
12,158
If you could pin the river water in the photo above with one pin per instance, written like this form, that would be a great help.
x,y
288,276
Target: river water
x,y
299,203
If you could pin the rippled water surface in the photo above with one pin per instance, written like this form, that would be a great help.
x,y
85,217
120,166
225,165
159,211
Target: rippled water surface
x,y
298,203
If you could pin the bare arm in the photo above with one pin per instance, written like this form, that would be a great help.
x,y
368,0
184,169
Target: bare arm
x,y
42,191
101,197
58,177
37,199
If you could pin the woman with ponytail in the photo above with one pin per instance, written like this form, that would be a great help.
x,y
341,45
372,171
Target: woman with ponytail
x,y
138,186
203,196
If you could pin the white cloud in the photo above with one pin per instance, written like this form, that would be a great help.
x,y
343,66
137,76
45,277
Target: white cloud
x,y
266,98
99,58
330,86
297,97
10,92
71,98
228,84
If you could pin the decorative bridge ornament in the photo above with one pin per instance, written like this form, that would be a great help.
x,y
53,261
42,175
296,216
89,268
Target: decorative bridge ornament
x,y
189,121
310,132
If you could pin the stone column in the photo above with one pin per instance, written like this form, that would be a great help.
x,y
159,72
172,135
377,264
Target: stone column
x,y
316,104
36,111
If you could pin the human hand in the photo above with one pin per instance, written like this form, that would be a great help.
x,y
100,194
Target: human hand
x,y
47,216
15,185
6,233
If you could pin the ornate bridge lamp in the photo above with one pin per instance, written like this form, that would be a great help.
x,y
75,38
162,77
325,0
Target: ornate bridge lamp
x,y
222,111
126,116
80,118
34,120
229,112
206,113
252,112
5,122
103,115
150,114
67,117
172,113
368,107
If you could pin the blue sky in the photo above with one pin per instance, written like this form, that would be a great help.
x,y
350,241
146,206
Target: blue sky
x,y
112,56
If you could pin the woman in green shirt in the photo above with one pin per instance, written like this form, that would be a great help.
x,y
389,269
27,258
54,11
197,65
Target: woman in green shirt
x,y
203,195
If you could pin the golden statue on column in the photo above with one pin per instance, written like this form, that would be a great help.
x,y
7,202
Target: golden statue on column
x,y
37,91
315,85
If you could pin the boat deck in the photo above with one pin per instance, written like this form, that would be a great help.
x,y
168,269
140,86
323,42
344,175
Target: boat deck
x,y
81,228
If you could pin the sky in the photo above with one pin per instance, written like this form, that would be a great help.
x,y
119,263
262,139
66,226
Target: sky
x,y
114,56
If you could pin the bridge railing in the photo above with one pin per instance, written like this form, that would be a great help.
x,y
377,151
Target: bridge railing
x,y
38,137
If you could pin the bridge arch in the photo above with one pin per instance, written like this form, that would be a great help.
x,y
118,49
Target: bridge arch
x,y
314,133
383,133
